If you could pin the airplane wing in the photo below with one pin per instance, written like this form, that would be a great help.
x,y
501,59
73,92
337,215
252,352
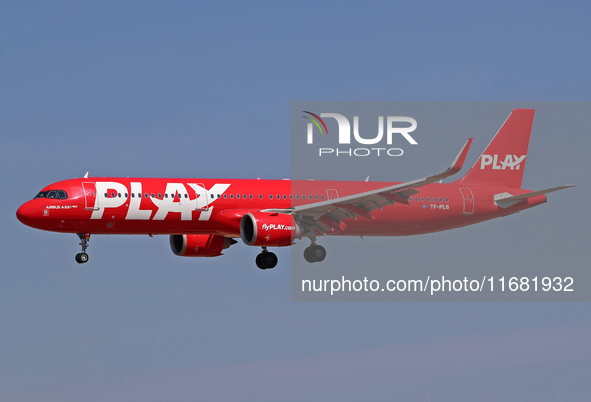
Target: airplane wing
x,y
329,215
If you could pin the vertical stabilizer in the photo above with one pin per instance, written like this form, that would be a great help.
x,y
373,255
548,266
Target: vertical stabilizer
x,y
503,161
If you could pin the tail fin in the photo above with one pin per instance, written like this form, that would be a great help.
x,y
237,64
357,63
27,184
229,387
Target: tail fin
x,y
503,161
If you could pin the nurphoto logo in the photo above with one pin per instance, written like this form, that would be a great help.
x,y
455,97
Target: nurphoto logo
x,y
391,129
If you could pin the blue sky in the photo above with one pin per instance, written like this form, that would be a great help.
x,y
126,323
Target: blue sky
x,y
203,90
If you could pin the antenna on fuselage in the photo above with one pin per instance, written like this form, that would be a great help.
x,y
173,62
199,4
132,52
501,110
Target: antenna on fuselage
x,y
86,175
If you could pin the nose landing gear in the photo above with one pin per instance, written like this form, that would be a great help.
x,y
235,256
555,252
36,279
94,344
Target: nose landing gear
x,y
82,257
266,259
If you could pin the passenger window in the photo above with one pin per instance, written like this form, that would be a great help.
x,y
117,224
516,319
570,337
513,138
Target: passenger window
x,y
270,196
238,196
422,199
159,195
132,195
440,199
297,197
106,195
322,197
152,195
226,196
219,196
278,197
316,197
446,199
165,195
284,197
260,196
244,196
232,196
428,199
112,195
291,197
250,196
211,195
417,199
186,196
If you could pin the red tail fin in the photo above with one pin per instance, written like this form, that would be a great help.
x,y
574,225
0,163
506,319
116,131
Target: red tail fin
x,y
503,161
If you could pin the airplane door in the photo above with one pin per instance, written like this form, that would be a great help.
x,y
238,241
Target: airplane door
x,y
468,198
90,200
332,194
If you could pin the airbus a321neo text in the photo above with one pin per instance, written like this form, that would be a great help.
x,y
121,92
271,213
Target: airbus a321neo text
x,y
204,216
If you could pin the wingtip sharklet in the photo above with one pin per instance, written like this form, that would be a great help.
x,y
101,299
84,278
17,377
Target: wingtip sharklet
x,y
458,162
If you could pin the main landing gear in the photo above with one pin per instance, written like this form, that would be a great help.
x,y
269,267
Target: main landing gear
x,y
314,253
266,259
82,257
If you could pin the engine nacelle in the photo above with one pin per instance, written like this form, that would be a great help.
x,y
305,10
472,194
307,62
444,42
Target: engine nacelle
x,y
265,229
199,245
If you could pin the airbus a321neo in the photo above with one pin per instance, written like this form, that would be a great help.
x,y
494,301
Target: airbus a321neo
x,y
204,216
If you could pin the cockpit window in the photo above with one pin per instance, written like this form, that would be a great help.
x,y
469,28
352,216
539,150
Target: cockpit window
x,y
55,194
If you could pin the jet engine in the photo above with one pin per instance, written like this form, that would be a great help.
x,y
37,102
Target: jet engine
x,y
269,229
199,245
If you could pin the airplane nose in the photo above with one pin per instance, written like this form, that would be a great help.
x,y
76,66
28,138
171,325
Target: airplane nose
x,y
26,213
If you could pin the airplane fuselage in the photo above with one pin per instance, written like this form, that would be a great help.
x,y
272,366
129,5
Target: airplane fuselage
x,y
206,206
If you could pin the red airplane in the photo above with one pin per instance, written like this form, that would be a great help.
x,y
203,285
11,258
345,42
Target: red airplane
x,y
204,216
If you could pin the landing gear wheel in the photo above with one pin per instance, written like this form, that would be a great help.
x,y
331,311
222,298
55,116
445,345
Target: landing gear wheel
x,y
81,258
269,260
259,261
315,253
308,255
319,253
266,260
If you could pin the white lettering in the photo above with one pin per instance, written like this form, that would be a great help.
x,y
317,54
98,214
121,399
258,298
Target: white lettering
x,y
108,202
401,130
344,127
397,150
170,204
485,160
134,211
372,141
512,162
495,166
364,150
517,161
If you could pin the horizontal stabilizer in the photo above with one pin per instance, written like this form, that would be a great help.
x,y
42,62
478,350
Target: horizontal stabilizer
x,y
505,200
